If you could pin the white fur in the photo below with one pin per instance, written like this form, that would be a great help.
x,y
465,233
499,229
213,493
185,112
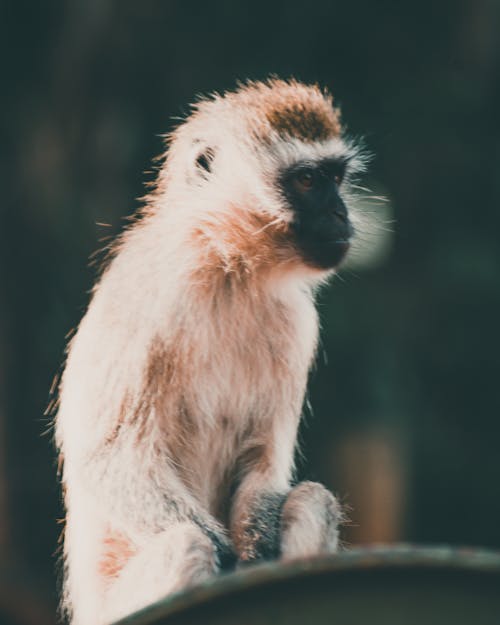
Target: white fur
x,y
121,470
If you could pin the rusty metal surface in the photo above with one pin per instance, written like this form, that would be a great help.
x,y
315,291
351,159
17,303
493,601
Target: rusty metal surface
x,y
398,585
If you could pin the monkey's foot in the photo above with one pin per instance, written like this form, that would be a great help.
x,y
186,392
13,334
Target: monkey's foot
x,y
309,521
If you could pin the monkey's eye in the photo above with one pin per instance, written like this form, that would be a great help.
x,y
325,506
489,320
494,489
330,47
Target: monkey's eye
x,y
339,173
304,180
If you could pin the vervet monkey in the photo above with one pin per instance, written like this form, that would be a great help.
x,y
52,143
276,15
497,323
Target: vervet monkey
x,y
183,386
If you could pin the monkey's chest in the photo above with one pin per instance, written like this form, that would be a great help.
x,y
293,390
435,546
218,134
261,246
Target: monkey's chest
x,y
227,418
243,378
227,429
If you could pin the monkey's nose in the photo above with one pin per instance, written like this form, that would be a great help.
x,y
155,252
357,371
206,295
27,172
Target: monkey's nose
x,y
341,215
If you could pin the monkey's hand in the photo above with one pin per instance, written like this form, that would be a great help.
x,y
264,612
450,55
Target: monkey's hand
x,y
302,523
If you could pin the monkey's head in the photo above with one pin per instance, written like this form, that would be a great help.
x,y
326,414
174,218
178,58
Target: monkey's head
x,y
263,173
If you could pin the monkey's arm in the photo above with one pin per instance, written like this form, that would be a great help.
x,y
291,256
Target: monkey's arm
x,y
117,417
272,520
258,501
121,465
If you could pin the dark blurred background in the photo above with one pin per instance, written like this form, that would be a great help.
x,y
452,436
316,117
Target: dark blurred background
x,y
405,424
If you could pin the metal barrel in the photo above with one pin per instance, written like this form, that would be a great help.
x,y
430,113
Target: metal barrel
x,y
400,585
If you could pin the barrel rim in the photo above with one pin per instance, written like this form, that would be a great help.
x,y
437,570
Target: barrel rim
x,y
375,557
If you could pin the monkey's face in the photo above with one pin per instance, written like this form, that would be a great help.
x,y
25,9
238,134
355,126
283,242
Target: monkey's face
x,y
263,173
320,223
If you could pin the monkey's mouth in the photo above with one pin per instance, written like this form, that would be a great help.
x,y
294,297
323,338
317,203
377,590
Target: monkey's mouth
x,y
323,250
327,256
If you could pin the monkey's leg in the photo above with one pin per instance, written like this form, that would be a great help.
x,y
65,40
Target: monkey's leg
x,y
176,558
140,496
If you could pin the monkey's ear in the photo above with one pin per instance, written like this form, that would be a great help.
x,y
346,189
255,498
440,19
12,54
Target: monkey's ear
x,y
204,161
